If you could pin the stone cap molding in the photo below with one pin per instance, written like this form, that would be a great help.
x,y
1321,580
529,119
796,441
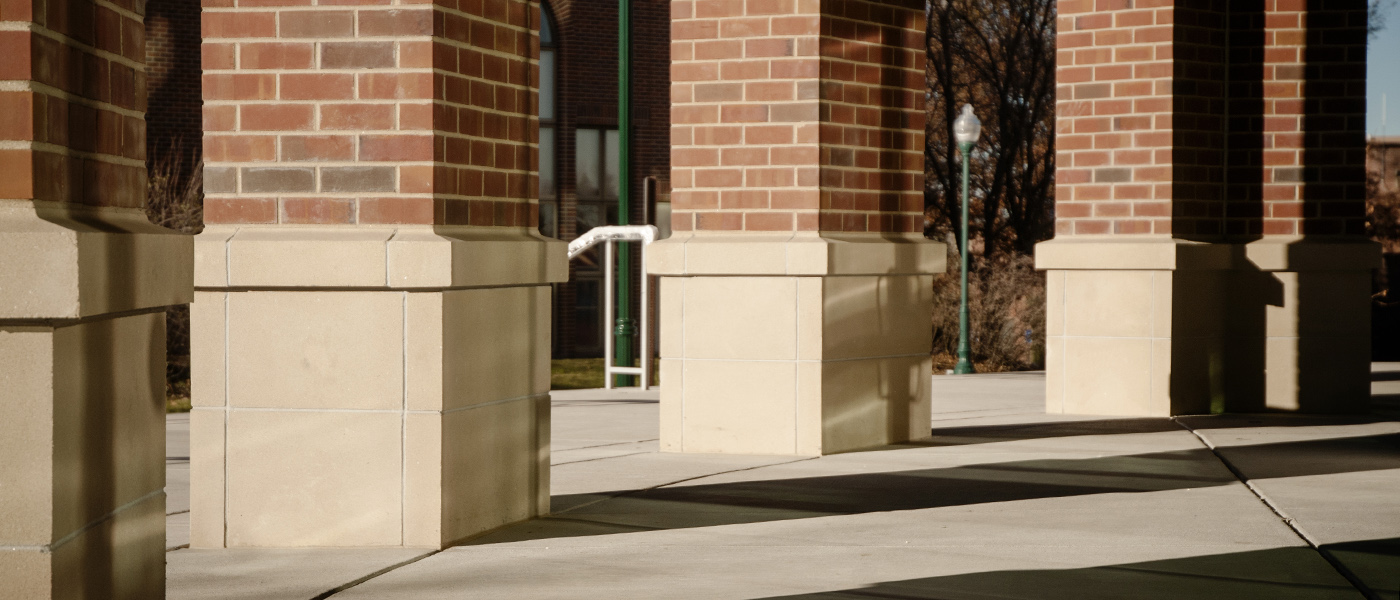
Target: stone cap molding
x,y
1160,253
396,257
63,261
804,254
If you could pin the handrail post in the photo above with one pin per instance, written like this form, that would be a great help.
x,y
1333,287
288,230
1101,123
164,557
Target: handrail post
x,y
607,314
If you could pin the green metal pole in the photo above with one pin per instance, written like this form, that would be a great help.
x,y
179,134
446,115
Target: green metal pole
x,y
626,328
964,365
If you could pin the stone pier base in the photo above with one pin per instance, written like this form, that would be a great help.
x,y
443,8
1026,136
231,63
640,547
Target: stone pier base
x,y
802,345
1162,327
369,386
82,400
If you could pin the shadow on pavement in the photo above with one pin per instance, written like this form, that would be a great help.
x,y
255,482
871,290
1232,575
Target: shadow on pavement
x,y
1281,573
987,434
734,503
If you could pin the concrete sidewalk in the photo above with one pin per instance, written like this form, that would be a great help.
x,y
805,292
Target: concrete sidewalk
x,y
1004,502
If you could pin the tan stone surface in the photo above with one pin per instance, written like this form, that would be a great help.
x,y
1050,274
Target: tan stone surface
x,y
1107,376
865,316
1108,303
491,473
302,478
423,479
121,557
867,403
739,318
740,407
494,344
209,349
26,437
308,257
801,253
109,418
773,364
424,345
64,262
208,439
316,349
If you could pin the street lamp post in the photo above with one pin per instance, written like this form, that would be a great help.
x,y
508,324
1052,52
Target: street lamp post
x,y
966,129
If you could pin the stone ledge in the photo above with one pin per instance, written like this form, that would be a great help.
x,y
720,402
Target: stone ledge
x,y
1152,253
427,257
72,262
808,254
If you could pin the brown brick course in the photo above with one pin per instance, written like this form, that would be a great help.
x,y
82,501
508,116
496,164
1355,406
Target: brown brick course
x,y
1206,120
339,113
797,115
78,131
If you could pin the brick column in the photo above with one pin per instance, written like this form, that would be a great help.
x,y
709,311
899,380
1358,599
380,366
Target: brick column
x,y
1299,319
84,281
1198,166
371,326
795,292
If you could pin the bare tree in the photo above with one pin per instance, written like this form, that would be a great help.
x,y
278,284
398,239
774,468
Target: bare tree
x,y
1000,57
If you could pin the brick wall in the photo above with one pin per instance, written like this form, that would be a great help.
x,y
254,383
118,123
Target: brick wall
x,y
1156,135
796,115
370,114
172,68
77,134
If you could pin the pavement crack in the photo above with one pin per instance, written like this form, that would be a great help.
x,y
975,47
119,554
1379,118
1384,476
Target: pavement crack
x,y
607,497
338,589
573,462
609,444
1278,511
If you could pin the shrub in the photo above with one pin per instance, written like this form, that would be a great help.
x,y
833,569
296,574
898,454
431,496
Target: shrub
x,y
175,200
1006,311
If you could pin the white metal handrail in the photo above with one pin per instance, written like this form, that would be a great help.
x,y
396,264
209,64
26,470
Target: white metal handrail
x,y
610,235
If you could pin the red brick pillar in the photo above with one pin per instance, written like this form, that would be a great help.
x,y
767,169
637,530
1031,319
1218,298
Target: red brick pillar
x,y
1205,148
797,266
370,284
84,282
1301,299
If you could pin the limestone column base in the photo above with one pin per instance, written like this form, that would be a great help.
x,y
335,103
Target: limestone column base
x,y
82,399
369,387
799,345
1159,326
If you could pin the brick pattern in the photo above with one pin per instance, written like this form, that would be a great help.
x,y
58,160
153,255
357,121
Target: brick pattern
x,y
1201,119
1114,109
1313,127
796,115
71,113
394,113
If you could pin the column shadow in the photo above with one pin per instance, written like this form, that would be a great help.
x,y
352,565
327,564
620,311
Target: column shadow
x,y
709,505
1277,573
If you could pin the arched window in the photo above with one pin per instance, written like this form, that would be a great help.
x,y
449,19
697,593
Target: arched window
x,y
549,185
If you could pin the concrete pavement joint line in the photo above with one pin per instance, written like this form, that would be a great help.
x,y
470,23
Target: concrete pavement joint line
x,y
607,497
572,462
609,444
340,588
1341,569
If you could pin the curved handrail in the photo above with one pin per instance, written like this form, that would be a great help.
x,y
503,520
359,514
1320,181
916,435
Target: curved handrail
x,y
645,234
